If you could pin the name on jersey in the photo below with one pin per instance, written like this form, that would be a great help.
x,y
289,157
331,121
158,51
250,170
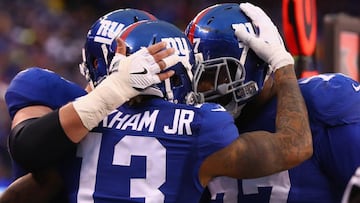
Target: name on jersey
x,y
147,121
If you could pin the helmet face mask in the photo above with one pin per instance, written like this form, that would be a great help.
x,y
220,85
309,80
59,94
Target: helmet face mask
x,y
216,46
145,33
221,80
97,53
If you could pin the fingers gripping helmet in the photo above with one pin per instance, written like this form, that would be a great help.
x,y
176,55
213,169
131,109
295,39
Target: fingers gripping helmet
x,y
236,72
145,33
96,52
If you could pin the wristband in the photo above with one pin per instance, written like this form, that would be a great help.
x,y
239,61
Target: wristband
x,y
107,96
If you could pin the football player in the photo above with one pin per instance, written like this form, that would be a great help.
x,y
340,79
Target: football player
x,y
31,95
155,148
332,101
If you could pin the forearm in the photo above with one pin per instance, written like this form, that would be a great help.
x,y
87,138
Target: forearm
x,y
51,135
292,123
251,155
261,153
72,124
118,87
268,153
27,189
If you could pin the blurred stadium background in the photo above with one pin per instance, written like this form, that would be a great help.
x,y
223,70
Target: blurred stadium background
x,y
50,34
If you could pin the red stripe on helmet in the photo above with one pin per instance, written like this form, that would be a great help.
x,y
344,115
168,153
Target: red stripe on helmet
x,y
152,17
196,20
130,28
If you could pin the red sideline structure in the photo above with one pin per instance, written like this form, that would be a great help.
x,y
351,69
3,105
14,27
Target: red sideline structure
x,y
300,30
342,44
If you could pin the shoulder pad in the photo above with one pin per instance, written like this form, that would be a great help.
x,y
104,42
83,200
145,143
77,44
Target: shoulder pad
x,y
332,98
37,86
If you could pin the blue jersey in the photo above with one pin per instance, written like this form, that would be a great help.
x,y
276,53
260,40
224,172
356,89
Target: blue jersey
x,y
37,86
333,102
147,153
150,153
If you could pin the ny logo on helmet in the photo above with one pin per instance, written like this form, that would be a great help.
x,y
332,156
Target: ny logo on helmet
x,y
248,26
179,44
107,31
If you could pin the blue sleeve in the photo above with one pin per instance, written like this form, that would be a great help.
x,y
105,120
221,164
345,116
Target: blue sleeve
x,y
217,129
339,152
332,98
37,86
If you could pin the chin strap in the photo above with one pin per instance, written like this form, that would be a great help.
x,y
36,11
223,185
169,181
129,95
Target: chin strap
x,y
193,98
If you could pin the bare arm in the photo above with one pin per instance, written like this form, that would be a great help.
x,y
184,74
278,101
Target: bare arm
x,y
34,189
262,153
47,183
69,117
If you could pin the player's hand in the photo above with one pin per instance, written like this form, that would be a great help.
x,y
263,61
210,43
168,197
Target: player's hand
x,y
268,45
127,76
268,31
144,66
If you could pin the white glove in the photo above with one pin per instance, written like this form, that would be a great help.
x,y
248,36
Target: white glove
x,y
269,45
144,69
136,71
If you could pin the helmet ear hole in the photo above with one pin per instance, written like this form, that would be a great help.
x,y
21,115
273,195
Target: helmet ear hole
x,y
95,63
